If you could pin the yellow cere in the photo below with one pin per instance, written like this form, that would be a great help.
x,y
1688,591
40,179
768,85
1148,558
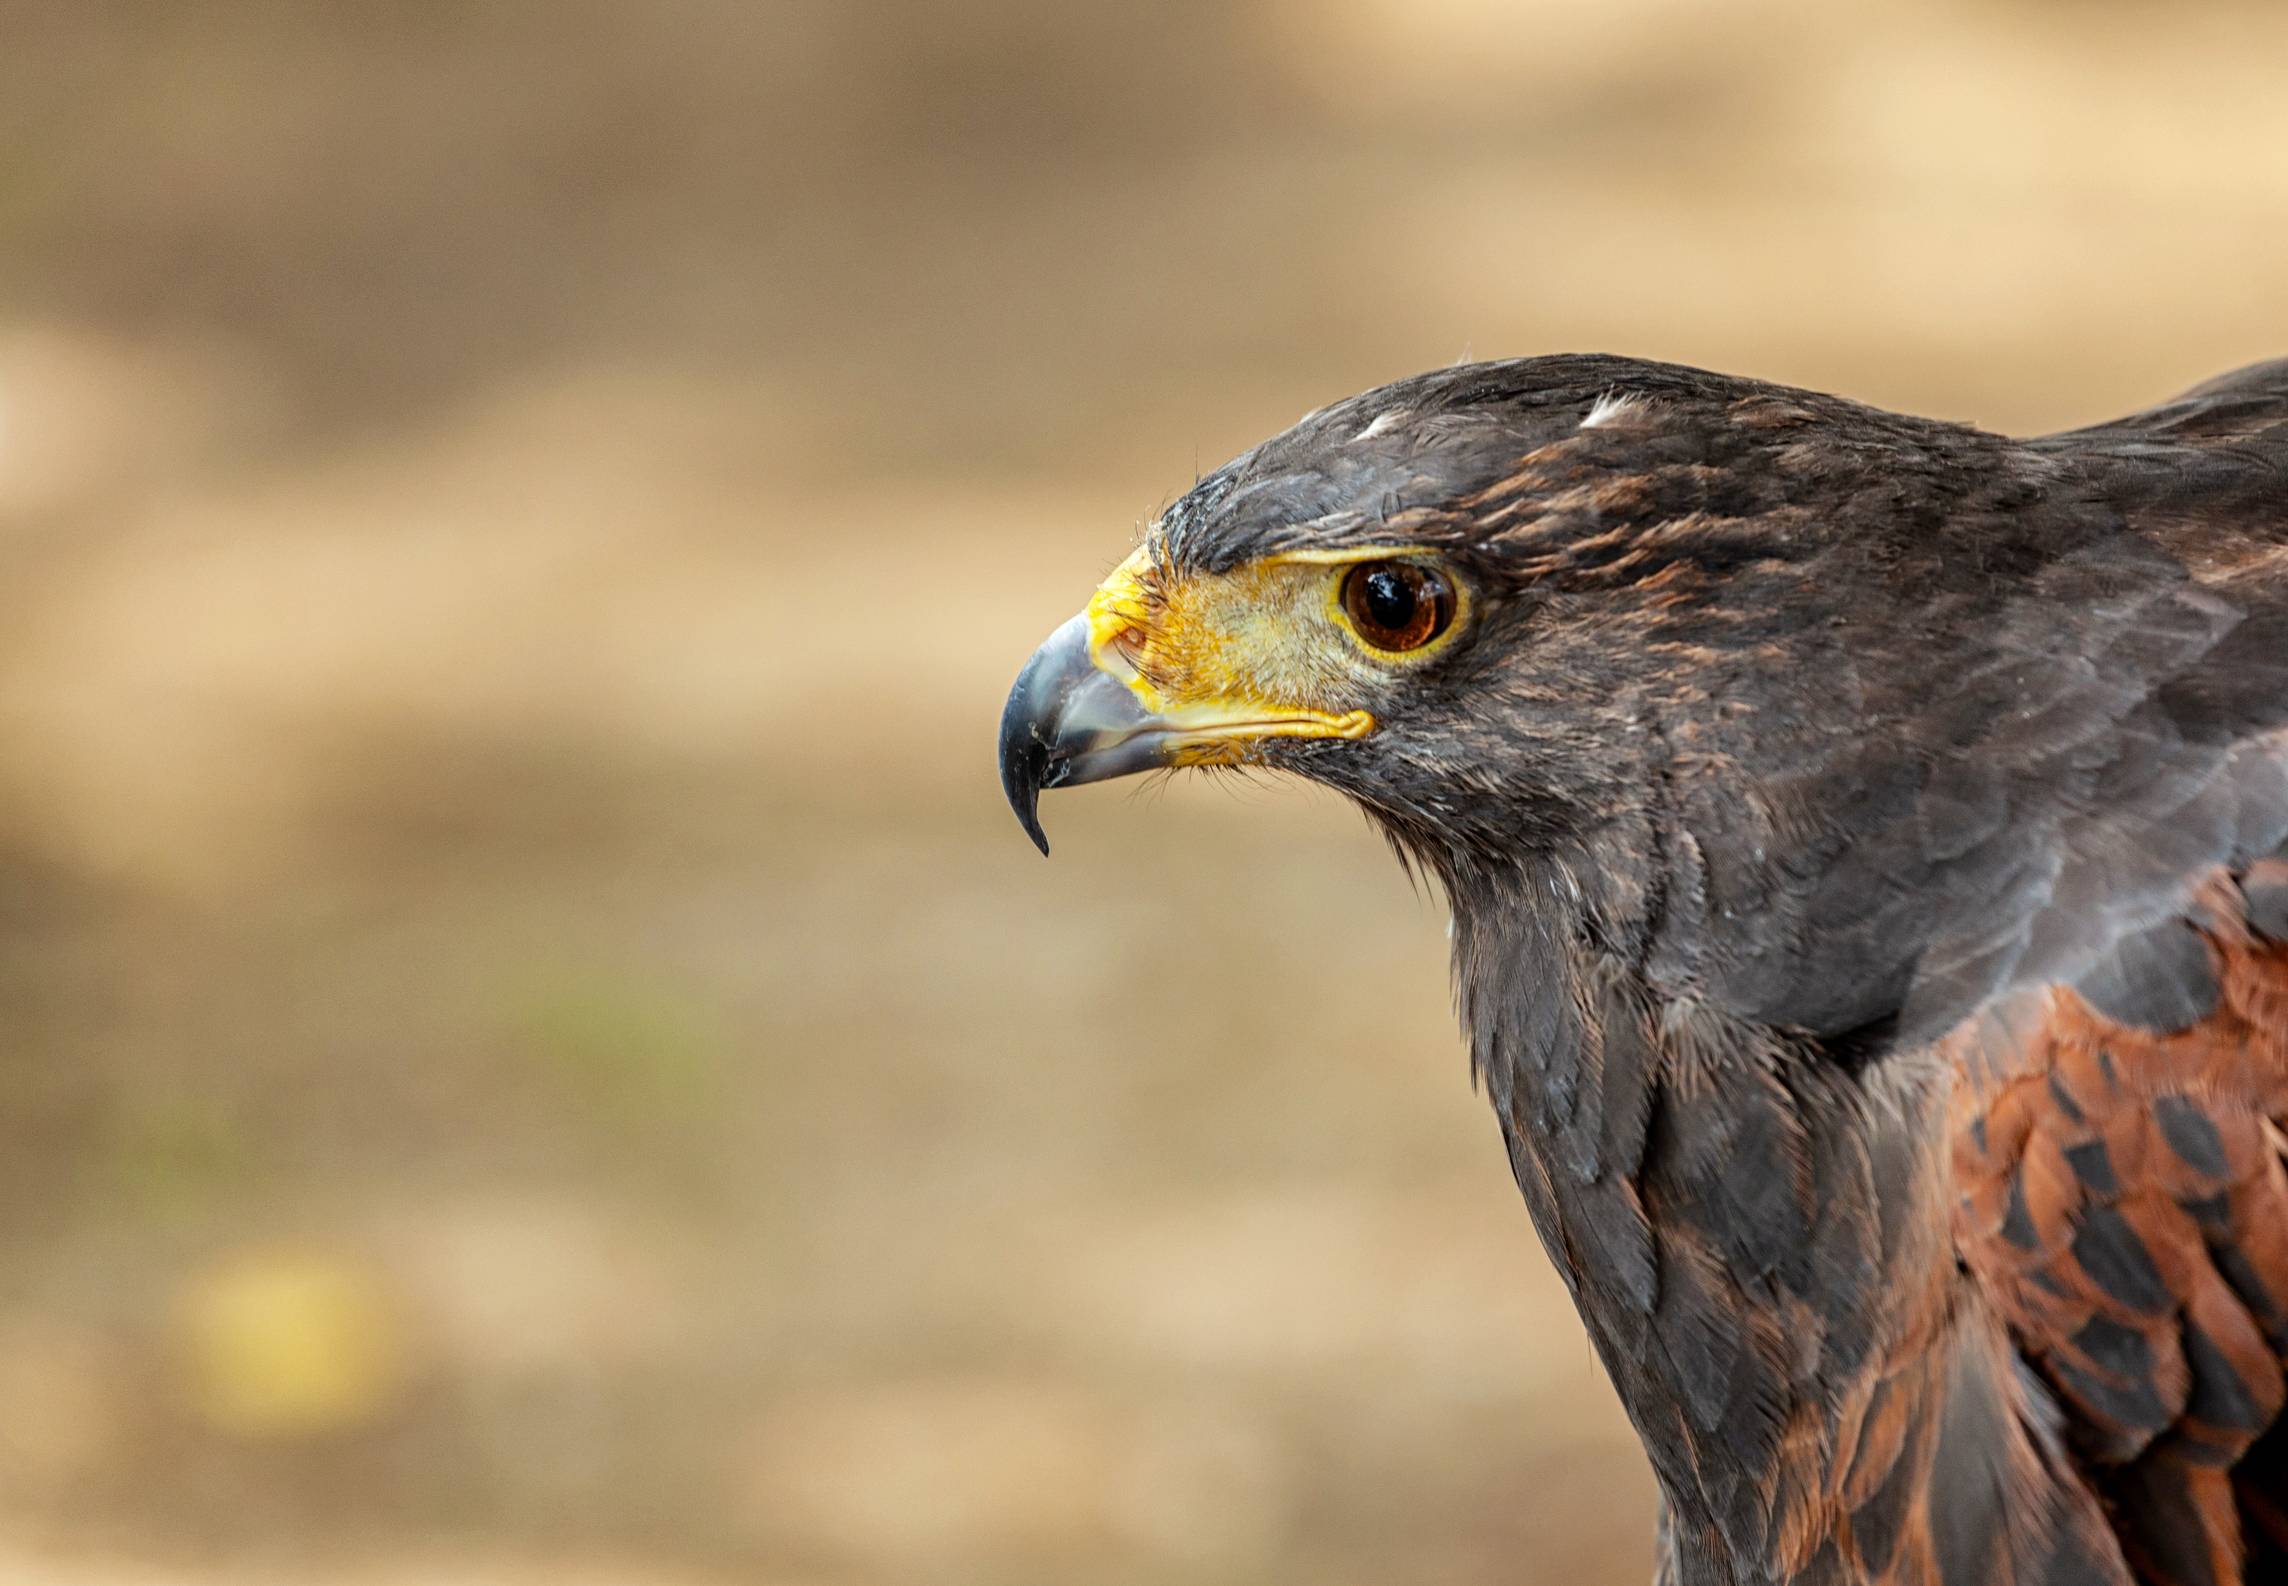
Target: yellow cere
x,y
1227,659
1119,605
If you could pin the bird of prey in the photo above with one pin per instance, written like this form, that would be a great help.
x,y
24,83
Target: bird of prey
x,y
1865,842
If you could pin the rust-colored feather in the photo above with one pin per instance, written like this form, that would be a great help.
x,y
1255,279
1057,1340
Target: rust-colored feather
x,y
2122,1205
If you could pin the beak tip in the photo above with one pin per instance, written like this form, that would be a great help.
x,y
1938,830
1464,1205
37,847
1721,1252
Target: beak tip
x,y
1025,799
1024,770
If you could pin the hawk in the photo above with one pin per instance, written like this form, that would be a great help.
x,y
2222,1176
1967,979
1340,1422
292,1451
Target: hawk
x,y
1864,837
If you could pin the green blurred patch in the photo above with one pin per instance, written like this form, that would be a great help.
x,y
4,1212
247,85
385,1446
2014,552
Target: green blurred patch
x,y
180,1155
629,1051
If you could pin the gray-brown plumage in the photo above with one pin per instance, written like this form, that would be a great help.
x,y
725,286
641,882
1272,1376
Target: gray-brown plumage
x,y
1867,839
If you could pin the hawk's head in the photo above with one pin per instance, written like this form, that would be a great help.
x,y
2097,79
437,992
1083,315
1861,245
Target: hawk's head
x,y
1488,602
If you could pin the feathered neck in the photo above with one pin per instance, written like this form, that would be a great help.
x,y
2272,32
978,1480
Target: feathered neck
x,y
1756,1239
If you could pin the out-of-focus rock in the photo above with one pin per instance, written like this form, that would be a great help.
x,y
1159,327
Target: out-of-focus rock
x,y
529,1286
1306,1281
87,416
1014,1470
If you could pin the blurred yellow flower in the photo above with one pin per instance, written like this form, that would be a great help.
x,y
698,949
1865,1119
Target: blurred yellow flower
x,y
287,1343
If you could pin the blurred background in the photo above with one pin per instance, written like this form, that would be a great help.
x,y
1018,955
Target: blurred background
x,y
530,1048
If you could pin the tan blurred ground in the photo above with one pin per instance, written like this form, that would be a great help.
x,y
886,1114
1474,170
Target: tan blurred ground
x,y
532,1049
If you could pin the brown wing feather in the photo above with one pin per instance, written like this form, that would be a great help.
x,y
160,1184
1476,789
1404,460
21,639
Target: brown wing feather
x,y
2123,1205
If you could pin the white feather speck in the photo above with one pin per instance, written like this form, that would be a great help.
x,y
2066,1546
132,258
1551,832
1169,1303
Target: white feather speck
x,y
1612,405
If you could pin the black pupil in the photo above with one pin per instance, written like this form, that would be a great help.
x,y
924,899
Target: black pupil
x,y
1390,599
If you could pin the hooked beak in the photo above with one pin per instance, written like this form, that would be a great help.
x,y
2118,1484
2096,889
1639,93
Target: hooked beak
x,y
1070,721
1081,713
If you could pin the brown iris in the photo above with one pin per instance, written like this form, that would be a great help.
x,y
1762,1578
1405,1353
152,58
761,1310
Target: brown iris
x,y
1397,605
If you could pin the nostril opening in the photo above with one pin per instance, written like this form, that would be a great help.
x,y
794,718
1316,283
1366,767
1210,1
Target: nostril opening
x,y
1128,646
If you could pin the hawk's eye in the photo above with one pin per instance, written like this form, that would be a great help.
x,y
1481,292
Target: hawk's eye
x,y
1397,605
